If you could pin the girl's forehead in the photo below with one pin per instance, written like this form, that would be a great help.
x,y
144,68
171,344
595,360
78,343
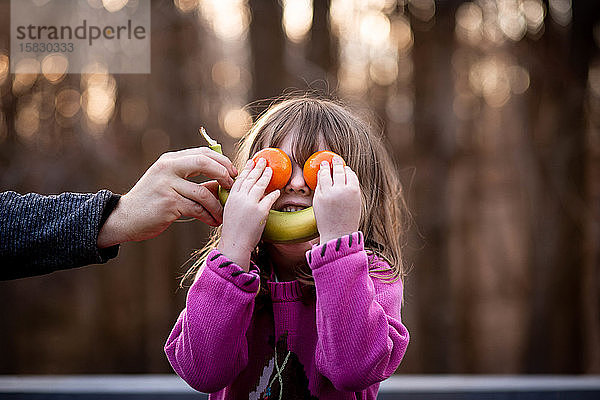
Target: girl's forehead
x,y
292,141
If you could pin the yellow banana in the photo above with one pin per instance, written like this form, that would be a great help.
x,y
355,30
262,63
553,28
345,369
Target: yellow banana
x,y
286,227
281,227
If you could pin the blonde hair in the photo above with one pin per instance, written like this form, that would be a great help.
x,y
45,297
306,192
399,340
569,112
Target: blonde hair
x,y
312,121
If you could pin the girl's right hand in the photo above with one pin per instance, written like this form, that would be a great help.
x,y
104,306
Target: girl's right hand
x,y
246,212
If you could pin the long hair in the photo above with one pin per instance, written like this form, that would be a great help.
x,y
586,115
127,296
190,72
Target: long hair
x,y
311,121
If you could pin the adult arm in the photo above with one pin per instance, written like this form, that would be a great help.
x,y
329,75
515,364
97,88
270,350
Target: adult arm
x,y
361,338
207,346
41,234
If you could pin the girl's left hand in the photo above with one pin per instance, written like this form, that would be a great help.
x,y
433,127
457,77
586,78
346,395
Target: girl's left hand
x,y
337,201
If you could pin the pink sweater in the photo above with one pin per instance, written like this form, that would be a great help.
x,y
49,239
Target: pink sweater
x,y
339,346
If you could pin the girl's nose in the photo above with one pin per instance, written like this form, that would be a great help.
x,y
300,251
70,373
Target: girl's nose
x,y
296,184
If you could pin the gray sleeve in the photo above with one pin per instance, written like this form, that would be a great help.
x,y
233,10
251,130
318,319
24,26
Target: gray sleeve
x,y
41,234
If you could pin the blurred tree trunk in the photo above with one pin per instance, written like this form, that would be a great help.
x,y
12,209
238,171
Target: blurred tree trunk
x,y
557,341
322,51
433,152
267,42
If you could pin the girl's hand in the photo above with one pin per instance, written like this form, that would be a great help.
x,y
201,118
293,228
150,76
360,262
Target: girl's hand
x,y
337,201
246,212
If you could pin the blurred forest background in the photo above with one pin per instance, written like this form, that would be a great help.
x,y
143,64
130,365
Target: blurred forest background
x,y
490,107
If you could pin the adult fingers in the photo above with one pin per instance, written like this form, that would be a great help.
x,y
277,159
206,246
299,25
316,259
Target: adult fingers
x,y
189,208
203,197
204,151
339,174
213,186
189,166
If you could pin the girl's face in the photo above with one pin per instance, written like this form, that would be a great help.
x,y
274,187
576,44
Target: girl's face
x,y
296,194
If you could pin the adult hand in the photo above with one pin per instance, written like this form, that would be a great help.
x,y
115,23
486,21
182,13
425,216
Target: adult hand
x,y
163,194
337,201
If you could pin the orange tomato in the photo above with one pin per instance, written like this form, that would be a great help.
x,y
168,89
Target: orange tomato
x,y
281,165
313,164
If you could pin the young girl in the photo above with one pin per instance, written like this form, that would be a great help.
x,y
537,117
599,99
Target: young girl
x,y
313,320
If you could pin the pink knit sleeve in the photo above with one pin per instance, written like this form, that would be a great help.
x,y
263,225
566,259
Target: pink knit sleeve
x,y
361,338
207,346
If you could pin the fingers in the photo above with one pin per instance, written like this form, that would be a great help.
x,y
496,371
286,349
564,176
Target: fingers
x,y
342,175
270,199
324,179
210,208
205,151
339,173
189,166
189,208
258,189
212,186
254,175
187,163
351,177
237,185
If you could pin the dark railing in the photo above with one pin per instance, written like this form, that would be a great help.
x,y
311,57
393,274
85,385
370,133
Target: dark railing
x,y
413,387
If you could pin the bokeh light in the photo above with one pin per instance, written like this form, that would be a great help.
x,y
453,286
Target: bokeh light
x,y
235,121
27,121
402,34
186,6
297,19
399,108
99,96
68,102
228,19
422,9
99,103
353,78
55,67
376,52
469,21
374,28
489,80
518,78
4,67
534,12
561,11
511,21
114,5
226,74
384,70
26,74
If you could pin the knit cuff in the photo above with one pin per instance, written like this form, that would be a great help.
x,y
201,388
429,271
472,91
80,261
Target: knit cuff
x,y
109,252
335,249
228,270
